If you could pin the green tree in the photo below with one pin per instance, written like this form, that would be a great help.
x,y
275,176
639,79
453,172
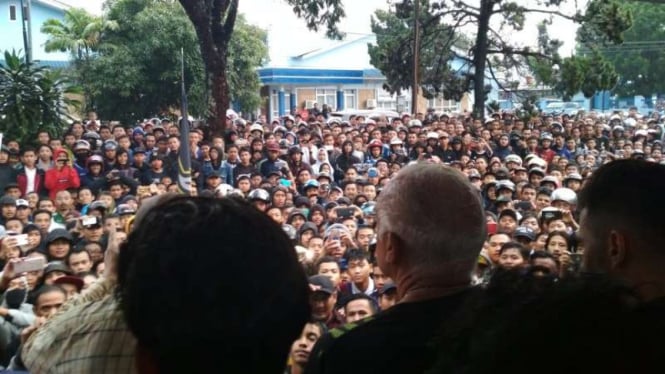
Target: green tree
x,y
33,98
640,60
139,76
393,53
79,33
214,21
493,56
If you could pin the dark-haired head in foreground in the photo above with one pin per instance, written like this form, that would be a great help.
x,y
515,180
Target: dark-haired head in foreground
x,y
622,224
523,324
210,285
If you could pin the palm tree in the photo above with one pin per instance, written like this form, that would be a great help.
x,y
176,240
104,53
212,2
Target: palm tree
x,y
33,98
80,33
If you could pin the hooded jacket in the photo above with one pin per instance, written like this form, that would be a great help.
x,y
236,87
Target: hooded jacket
x,y
63,179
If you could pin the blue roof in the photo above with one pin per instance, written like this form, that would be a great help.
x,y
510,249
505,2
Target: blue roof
x,y
52,64
271,76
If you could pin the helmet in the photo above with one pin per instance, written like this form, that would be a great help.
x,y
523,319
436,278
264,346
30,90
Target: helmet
x,y
564,194
550,179
94,159
368,208
514,158
224,189
290,231
81,145
259,194
396,141
505,184
375,143
572,177
312,183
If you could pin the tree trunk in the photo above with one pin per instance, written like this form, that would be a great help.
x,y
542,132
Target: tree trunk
x,y
220,96
480,58
214,21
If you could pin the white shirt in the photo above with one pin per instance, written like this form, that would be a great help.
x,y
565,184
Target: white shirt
x,y
30,173
369,291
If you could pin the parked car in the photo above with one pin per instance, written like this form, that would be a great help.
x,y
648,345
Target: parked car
x,y
558,108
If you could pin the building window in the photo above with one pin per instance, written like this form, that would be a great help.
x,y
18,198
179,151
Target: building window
x,y
439,104
274,104
12,12
350,101
328,97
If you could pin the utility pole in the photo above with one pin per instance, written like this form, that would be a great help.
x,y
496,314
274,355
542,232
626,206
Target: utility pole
x,y
29,20
416,56
27,33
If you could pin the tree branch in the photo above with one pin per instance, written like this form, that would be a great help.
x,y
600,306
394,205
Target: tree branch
x,y
510,51
540,11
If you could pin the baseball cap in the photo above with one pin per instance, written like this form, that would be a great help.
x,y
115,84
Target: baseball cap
x,y
508,212
7,200
388,287
58,234
321,283
57,266
372,172
91,221
22,203
525,232
125,209
71,279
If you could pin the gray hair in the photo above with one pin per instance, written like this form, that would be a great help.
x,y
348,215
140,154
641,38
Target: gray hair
x,y
436,212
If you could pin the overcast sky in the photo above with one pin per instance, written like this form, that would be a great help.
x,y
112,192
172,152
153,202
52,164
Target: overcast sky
x,y
277,17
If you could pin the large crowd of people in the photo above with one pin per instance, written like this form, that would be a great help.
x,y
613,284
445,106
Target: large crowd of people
x,y
375,237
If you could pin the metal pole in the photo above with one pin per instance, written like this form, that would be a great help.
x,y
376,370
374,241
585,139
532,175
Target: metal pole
x,y
26,50
28,53
416,57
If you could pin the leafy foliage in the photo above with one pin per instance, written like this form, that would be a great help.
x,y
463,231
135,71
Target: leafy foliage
x,y
493,56
214,22
640,60
80,33
128,61
32,98
393,53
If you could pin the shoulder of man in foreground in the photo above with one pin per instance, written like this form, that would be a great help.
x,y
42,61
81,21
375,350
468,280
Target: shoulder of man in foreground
x,y
400,337
88,335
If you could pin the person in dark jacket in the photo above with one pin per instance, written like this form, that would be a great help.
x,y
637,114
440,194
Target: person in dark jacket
x,y
7,172
345,160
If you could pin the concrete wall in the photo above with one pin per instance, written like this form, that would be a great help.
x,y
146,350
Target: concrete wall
x,y
11,32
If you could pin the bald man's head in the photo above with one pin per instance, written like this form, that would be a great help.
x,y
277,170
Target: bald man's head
x,y
436,213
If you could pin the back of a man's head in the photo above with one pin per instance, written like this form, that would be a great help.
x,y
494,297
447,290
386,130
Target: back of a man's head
x,y
437,215
210,285
627,198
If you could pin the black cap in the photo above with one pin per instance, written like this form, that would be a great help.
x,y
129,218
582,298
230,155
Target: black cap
x,y
7,200
321,283
139,150
57,266
388,287
58,234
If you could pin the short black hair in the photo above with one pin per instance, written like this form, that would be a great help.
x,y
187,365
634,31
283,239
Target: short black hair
x,y
44,289
76,251
169,268
42,211
360,296
28,149
629,194
524,252
355,254
325,260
